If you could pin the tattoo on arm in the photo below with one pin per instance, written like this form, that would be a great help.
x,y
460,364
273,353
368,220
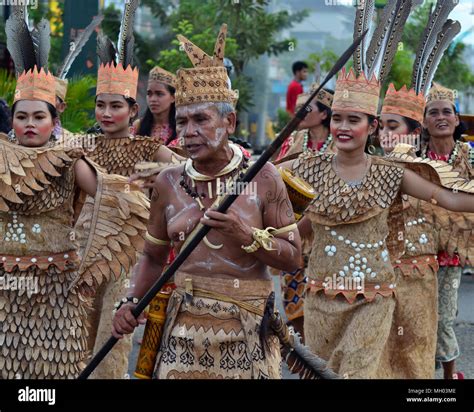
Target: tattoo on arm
x,y
277,199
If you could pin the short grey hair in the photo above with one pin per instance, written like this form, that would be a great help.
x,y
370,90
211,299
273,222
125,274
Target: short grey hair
x,y
224,108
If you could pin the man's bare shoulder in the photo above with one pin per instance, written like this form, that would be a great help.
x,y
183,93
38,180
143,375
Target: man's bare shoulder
x,y
168,178
269,175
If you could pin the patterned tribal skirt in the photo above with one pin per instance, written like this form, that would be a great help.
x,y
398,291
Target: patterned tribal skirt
x,y
212,339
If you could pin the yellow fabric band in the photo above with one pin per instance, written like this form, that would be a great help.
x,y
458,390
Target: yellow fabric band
x,y
196,292
156,241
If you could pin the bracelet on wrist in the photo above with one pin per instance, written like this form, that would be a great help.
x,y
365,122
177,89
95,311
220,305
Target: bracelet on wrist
x,y
125,300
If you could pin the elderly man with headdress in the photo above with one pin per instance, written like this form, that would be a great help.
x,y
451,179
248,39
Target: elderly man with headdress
x,y
214,315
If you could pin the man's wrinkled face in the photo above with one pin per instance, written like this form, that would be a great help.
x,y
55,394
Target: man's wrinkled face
x,y
201,129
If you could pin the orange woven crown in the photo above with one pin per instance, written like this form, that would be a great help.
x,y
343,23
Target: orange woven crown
x,y
114,79
438,92
323,96
161,75
36,85
404,102
207,81
356,94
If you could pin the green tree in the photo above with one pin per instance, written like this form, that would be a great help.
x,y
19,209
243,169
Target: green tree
x,y
252,32
80,104
322,62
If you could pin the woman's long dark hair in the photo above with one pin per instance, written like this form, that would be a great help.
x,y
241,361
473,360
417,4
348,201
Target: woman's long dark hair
x,y
146,122
5,117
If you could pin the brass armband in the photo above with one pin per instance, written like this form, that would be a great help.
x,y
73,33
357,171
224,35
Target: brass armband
x,y
156,241
262,237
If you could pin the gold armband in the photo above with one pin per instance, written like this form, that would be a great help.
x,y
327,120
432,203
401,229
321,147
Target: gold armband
x,y
262,237
156,241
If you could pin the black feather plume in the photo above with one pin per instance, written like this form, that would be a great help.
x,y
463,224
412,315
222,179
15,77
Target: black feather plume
x,y
265,324
41,36
363,22
126,41
20,44
384,43
105,49
298,357
449,31
77,46
436,20
383,66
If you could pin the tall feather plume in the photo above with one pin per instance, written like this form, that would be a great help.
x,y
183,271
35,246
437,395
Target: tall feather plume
x,y
436,21
21,12
77,46
384,43
387,53
299,358
41,36
449,31
20,44
105,49
126,39
363,21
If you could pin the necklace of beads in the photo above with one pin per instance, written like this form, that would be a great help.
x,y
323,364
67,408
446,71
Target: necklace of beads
x,y
191,191
327,142
451,159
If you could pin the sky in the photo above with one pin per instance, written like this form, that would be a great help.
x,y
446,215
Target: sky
x,y
464,13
